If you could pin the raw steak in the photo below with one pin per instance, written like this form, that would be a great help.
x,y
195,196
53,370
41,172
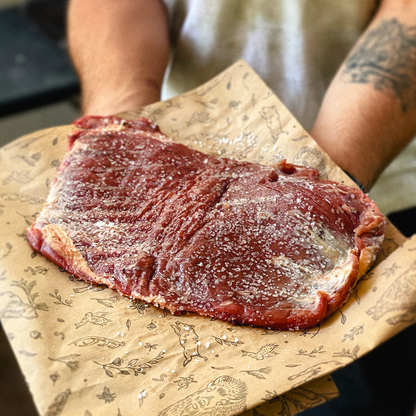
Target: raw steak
x,y
274,247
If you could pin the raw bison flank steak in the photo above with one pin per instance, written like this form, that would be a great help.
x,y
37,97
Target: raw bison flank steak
x,y
274,247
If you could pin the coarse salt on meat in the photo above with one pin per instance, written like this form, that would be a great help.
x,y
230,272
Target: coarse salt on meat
x,y
273,247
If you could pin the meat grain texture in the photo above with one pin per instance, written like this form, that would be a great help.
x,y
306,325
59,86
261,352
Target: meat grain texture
x,y
274,247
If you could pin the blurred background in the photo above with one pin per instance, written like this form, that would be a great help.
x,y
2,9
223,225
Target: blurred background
x,y
38,89
38,86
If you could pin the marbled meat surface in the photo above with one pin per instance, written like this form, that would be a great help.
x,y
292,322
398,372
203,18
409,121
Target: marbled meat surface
x,y
274,247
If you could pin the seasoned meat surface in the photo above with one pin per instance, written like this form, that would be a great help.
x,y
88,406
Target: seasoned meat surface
x,y
274,247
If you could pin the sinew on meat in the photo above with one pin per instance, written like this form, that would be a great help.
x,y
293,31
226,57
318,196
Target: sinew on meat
x,y
273,247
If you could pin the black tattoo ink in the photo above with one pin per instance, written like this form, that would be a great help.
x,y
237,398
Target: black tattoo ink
x,y
386,59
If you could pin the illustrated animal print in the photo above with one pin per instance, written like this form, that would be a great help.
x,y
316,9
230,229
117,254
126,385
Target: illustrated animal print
x,y
222,397
312,158
272,118
298,399
188,339
399,296
268,350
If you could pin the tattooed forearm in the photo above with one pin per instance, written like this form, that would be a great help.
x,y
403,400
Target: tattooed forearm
x,y
386,59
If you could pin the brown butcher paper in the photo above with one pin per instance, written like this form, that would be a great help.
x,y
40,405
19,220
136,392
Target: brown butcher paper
x,y
86,350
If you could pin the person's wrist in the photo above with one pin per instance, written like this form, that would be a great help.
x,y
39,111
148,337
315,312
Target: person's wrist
x,y
110,101
356,181
362,170
115,105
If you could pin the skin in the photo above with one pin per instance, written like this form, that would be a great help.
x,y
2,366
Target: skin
x,y
368,114
121,66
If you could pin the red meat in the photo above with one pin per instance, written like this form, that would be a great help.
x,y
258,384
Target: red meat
x,y
274,247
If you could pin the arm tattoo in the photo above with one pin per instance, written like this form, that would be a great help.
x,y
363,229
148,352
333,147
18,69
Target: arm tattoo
x,y
386,59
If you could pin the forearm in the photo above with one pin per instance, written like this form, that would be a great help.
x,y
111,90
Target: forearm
x,y
369,112
120,50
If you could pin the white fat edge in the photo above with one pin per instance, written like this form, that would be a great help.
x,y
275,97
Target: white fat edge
x,y
287,263
43,218
56,237
335,249
120,127
368,256
78,145
336,279
329,283
114,127
50,211
156,300
298,273
154,135
52,233
54,192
